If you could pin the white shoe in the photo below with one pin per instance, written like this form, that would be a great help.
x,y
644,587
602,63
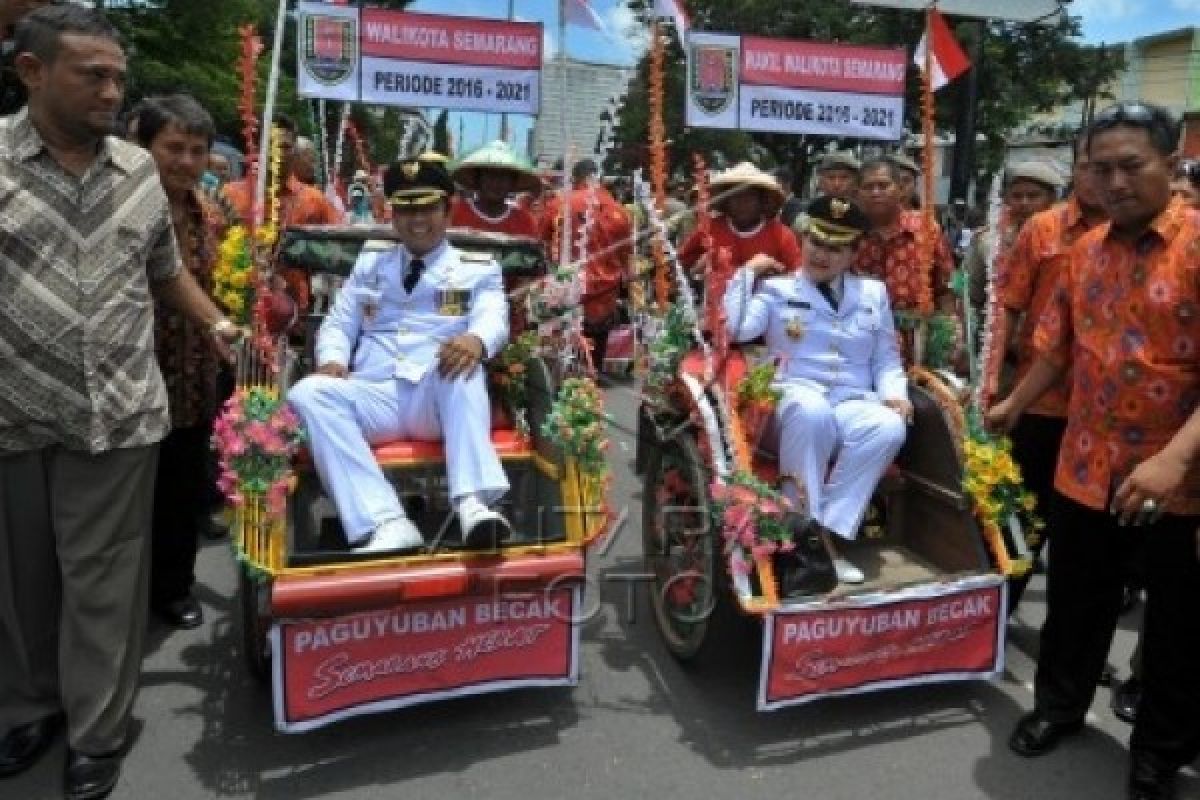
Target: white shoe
x,y
395,534
482,528
847,572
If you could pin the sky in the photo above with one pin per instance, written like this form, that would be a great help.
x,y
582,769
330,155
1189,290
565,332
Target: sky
x,y
1121,20
1102,21
621,43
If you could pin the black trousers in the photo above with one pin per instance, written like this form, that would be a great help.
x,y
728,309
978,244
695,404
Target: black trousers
x,y
180,498
1090,557
1036,440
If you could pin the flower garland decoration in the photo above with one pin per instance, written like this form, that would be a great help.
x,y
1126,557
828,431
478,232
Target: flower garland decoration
x,y
576,423
657,135
256,437
751,517
757,399
1004,507
251,49
995,321
234,275
508,370
926,241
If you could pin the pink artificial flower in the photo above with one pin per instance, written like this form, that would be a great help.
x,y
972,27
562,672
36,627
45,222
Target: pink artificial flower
x,y
739,566
787,546
763,549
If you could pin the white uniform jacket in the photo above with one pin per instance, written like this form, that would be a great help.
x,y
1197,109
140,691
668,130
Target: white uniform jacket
x,y
380,331
850,353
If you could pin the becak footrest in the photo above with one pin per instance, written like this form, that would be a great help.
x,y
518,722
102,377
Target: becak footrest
x,y
510,445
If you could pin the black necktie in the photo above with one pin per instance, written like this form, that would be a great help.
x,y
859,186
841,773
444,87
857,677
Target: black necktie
x,y
415,268
827,292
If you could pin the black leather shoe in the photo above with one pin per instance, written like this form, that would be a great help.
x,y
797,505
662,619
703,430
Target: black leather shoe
x,y
1035,735
183,613
1150,778
23,745
91,777
1125,699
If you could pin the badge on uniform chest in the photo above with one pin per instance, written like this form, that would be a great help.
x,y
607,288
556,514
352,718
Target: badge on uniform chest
x,y
452,302
794,329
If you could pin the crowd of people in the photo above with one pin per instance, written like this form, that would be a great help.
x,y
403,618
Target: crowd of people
x,y
114,360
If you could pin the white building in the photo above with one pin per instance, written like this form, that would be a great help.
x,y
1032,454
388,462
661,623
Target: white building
x,y
590,89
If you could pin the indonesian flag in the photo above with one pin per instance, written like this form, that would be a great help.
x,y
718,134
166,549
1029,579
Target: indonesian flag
x,y
949,60
581,13
673,10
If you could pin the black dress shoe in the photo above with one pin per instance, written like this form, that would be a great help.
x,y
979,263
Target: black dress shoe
x,y
1125,699
91,777
1150,778
1035,735
23,745
183,613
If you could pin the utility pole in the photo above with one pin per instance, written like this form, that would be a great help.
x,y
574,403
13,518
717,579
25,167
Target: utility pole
x,y
963,166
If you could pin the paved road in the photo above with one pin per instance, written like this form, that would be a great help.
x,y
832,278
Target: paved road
x,y
638,725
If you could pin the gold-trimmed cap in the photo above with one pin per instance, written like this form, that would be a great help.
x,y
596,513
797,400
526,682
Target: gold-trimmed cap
x,y
417,183
834,221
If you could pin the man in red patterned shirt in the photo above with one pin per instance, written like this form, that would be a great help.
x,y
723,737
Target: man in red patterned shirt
x,y
1126,315
891,251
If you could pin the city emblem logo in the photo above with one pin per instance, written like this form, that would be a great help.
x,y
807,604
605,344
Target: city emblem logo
x,y
330,48
713,83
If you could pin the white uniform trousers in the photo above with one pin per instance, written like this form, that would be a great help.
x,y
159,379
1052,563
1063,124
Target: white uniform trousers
x,y
344,417
864,435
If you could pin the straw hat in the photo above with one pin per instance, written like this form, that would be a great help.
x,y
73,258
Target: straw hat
x,y
747,175
496,155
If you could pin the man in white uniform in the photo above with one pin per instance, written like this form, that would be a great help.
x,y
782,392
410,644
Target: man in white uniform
x,y
845,397
399,358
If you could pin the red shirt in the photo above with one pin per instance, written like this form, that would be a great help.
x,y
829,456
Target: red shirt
x,y
515,220
609,246
771,238
893,256
1126,315
1025,283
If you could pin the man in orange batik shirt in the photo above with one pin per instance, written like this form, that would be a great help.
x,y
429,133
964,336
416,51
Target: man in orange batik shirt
x,y
299,204
1126,316
1025,283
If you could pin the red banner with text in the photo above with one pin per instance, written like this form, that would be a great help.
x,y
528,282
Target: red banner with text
x,y
330,669
928,634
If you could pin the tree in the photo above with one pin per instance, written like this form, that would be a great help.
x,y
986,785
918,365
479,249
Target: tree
x,y
1025,69
192,46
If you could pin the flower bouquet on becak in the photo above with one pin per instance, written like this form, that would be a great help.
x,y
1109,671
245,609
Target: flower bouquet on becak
x,y
1003,506
256,437
757,399
752,519
507,374
759,524
576,423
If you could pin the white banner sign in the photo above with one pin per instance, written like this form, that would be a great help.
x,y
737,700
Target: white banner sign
x,y
422,60
778,109
328,51
783,86
458,87
712,80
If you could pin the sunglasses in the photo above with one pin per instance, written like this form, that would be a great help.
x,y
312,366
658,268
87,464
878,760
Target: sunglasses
x,y
1137,113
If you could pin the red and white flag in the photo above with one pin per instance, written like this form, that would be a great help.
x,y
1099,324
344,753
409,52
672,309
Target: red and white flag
x,y
581,13
674,11
949,60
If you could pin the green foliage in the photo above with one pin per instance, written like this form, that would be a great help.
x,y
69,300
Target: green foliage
x,y
193,46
